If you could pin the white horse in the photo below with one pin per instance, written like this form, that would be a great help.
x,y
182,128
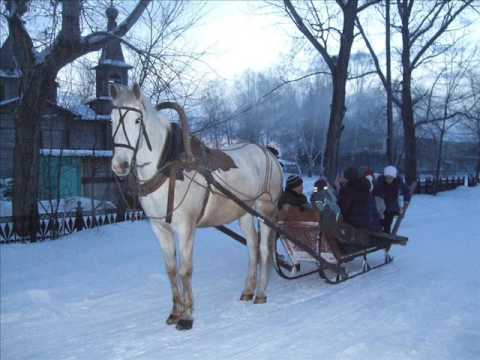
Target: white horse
x,y
140,136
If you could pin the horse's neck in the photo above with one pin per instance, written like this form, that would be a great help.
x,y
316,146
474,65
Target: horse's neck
x,y
157,130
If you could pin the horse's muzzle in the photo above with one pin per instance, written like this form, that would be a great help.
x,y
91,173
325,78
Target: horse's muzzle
x,y
121,168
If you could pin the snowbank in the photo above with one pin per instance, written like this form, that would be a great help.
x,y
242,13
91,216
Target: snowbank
x,y
103,294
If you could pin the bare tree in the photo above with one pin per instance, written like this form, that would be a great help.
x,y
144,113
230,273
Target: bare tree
x,y
320,28
444,103
421,26
160,57
472,116
39,71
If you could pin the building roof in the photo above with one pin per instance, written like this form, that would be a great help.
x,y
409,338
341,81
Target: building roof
x,y
84,112
76,152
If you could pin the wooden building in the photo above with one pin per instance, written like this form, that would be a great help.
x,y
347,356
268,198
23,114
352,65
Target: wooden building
x,y
76,146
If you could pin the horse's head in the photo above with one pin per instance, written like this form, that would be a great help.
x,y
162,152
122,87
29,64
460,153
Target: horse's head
x,y
129,133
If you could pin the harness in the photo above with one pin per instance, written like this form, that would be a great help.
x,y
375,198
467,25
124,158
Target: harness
x,y
121,123
171,163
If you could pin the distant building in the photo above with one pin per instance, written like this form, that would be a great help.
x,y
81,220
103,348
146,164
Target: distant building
x,y
76,143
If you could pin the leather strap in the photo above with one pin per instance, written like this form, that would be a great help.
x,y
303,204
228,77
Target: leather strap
x,y
171,193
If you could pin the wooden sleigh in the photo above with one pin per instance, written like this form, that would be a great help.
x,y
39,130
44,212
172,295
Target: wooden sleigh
x,y
336,243
315,239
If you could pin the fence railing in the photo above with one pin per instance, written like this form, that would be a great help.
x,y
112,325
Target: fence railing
x,y
431,186
54,226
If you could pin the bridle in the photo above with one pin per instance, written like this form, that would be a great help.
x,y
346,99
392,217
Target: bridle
x,y
121,125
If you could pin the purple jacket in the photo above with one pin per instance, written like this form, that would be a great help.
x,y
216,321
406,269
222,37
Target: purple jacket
x,y
390,192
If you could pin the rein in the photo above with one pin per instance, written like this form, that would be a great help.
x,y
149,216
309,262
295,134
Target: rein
x,y
121,124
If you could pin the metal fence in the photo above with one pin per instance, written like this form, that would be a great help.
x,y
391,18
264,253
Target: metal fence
x,y
431,186
54,226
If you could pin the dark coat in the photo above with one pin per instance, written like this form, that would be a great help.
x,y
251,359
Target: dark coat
x,y
374,217
292,198
389,193
353,200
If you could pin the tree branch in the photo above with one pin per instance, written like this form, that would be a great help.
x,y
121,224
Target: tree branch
x,y
376,62
292,12
446,23
366,5
97,40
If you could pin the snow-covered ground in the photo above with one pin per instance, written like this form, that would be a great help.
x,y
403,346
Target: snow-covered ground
x,y
103,294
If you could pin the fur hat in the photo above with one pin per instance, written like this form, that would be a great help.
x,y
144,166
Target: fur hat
x,y
293,181
390,171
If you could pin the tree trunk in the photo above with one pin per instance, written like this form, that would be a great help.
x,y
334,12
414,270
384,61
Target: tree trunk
x,y
410,163
439,159
334,130
390,140
26,170
339,82
477,170
408,119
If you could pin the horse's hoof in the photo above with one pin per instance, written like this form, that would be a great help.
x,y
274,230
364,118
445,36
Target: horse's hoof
x,y
260,300
246,297
184,324
173,319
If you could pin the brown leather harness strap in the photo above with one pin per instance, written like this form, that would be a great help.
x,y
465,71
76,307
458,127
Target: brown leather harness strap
x,y
171,193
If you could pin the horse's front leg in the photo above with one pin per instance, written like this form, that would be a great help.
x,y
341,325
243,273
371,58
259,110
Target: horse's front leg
x,y
166,238
186,233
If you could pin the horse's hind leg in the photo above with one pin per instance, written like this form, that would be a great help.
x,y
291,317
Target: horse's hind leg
x,y
265,264
266,237
186,234
167,241
248,227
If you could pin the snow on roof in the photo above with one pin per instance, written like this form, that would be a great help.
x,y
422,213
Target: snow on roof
x,y
9,101
11,73
86,113
76,152
114,63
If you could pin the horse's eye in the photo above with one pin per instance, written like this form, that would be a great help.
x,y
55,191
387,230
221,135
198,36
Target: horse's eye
x,y
137,121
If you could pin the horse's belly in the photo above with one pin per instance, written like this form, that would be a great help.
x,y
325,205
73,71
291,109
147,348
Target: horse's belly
x,y
220,211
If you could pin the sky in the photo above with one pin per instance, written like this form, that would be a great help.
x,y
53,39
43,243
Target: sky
x,y
241,35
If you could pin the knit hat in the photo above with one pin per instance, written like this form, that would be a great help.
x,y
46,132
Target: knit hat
x,y
293,181
390,171
350,173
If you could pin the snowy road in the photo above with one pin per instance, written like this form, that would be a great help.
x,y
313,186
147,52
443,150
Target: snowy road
x,y
103,294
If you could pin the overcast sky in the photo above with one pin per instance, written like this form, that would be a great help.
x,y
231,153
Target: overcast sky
x,y
244,35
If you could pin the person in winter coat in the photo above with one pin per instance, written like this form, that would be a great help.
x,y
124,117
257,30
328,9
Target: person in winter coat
x,y
375,223
293,194
388,187
353,199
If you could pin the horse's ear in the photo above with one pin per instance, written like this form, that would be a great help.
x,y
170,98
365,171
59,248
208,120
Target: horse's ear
x,y
136,91
114,91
